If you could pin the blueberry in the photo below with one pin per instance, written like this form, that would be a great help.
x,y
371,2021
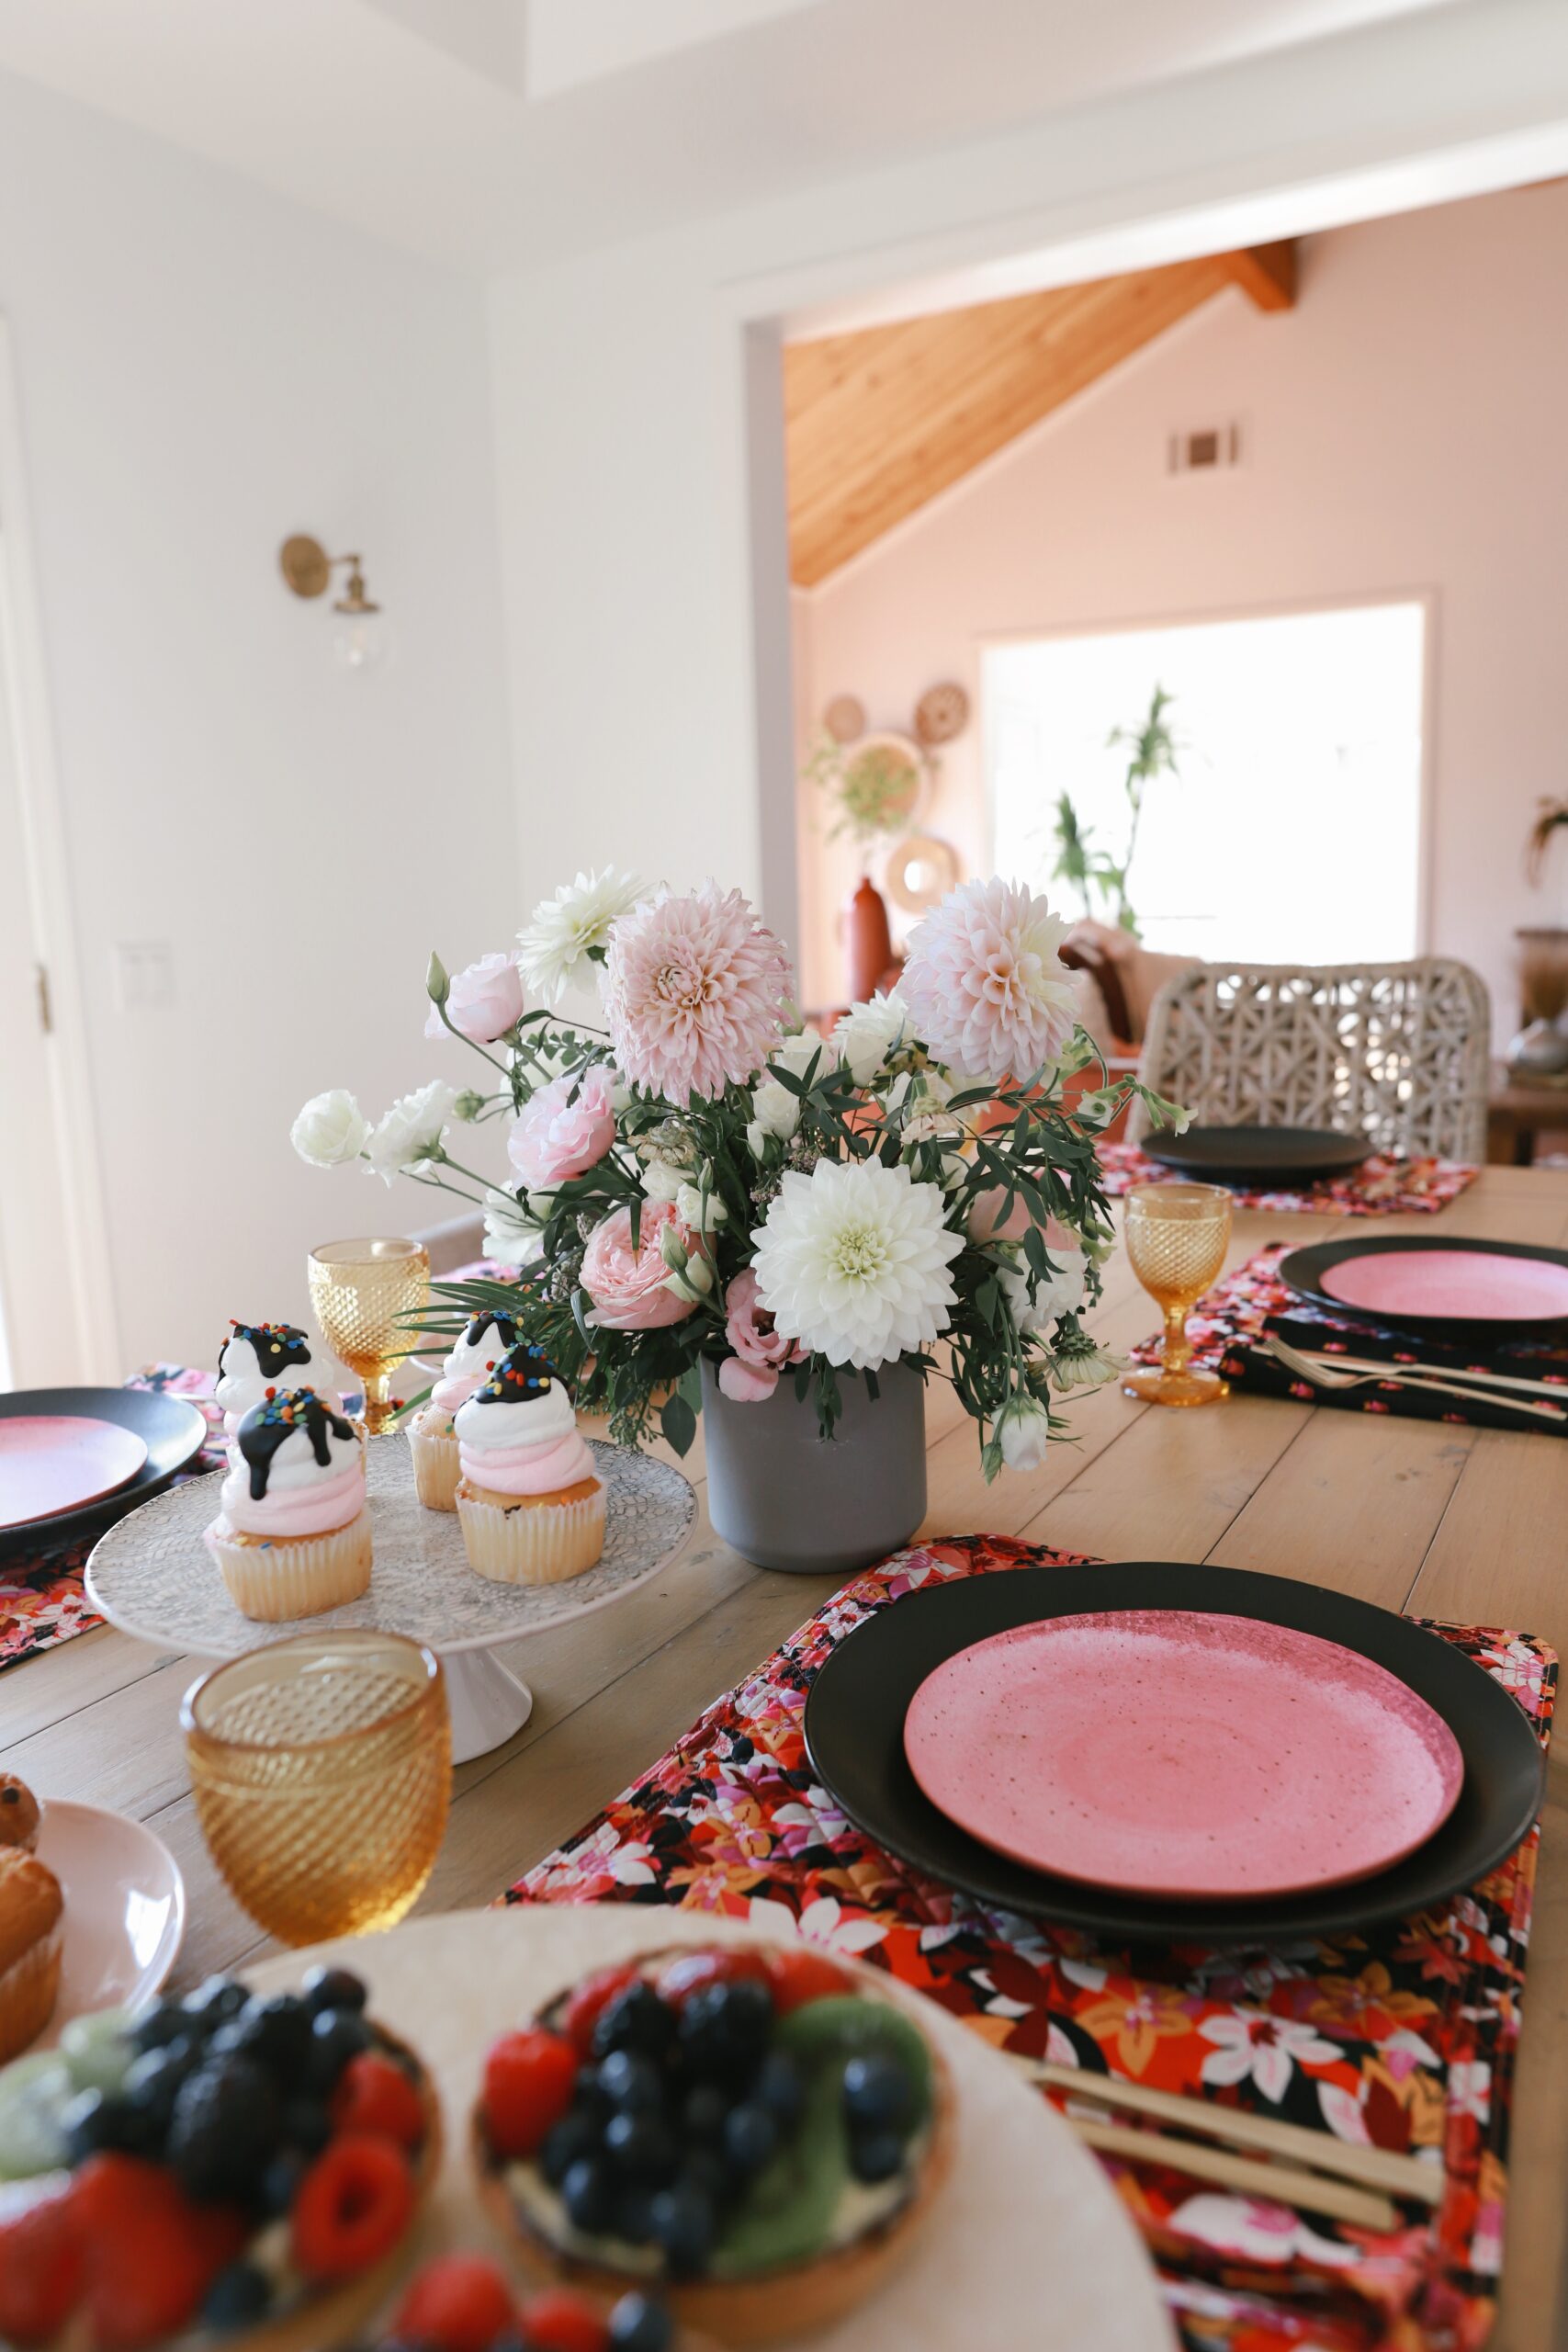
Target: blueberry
x,y
779,2088
875,2155
276,2033
631,2080
279,2182
682,2220
704,2113
577,2134
237,2296
169,2022
225,2131
707,2169
637,2324
99,2121
642,2147
333,1988
634,2213
153,2081
588,2196
879,2096
750,2137
725,2029
636,2020
336,2036
307,2126
214,2003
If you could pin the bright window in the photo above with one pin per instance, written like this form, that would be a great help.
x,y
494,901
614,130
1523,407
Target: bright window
x,y
1292,833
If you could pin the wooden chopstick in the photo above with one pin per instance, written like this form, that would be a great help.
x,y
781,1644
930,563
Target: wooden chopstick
x,y
1382,2168
1310,2192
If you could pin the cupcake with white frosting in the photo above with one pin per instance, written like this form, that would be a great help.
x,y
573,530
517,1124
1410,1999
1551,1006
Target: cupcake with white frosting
x,y
256,1360
293,1533
432,1435
530,1505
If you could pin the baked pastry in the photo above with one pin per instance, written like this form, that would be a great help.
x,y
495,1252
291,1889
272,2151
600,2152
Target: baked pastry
x,y
530,1504
462,2301
18,1813
431,1437
293,1533
753,2127
258,1359
32,1919
227,2167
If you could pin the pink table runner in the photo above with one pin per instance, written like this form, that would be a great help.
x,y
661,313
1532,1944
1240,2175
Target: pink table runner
x,y
1380,1187
1405,2036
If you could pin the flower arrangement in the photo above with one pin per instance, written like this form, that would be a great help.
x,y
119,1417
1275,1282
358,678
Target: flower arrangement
x,y
700,1177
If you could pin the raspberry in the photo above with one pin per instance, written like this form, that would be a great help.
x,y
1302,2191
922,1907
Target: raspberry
x,y
529,2079
595,1993
558,2321
150,2254
461,2303
352,2207
40,2271
375,2096
799,1975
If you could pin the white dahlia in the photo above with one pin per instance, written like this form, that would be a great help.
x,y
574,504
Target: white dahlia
x,y
558,949
853,1261
984,981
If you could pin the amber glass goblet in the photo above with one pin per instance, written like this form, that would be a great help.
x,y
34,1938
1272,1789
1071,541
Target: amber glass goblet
x,y
323,1770
1176,1237
361,1292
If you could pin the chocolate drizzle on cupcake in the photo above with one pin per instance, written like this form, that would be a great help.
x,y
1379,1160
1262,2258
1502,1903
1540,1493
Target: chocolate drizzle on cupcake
x,y
268,1427
523,1372
503,1326
278,1346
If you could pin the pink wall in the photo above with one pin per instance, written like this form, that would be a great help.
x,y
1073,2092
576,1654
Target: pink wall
x,y
1407,429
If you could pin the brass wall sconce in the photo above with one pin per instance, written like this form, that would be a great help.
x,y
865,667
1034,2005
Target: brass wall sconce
x,y
359,639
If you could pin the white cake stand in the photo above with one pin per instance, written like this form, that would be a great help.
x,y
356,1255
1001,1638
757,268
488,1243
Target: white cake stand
x,y
153,1578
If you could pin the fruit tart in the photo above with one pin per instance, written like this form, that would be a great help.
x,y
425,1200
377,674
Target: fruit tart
x,y
754,2130
466,2303
230,2169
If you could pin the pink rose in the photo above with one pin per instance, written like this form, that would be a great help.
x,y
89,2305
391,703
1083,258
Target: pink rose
x,y
485,1001
554,1137
626,1285
752,1372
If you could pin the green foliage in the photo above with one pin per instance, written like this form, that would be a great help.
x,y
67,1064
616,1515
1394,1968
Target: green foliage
x,y
1153,751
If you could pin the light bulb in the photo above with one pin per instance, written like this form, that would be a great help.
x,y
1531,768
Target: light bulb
x,y
359,641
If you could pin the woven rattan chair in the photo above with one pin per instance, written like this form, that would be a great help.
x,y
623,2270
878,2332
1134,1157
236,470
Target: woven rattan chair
x,y
1397,1052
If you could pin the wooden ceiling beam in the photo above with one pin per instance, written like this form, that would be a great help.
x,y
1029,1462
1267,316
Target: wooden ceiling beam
x,y
1267,274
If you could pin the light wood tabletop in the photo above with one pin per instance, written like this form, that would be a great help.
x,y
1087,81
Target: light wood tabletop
x,y
1438,1519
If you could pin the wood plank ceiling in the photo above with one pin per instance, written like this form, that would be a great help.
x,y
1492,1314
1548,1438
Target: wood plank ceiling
x,y
877,421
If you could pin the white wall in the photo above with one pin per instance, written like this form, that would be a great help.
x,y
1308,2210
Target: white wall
x,y
630,549
1404,430
202,369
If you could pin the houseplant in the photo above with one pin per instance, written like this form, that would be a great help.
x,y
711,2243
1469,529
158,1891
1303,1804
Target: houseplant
x,y
709,1207
1152,751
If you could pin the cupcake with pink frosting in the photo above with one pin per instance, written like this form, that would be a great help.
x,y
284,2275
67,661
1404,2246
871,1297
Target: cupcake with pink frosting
x,y
432,1438
530,1503
292,1536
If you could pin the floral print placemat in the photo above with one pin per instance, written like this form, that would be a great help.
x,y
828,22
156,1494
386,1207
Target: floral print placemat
x,y
1381,1186
1405,2037
1228,1325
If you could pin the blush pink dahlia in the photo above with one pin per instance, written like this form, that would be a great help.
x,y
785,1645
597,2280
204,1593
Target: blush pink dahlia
x,y
695,989
984,981
564,1129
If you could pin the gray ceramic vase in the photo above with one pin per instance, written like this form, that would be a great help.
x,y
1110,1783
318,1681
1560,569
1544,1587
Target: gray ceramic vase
x,y
783,1496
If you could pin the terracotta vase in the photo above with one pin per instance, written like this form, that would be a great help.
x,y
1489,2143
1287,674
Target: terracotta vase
x,y
867,938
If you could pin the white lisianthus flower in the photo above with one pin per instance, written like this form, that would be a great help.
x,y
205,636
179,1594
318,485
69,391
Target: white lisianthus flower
x,y
330,1129
774,1109
690,1275
757,1140
954,1170
1080,1365
1023,1430
923,1097
870,1034
799,1050
1060,1292
853,1261
700,1215
568,932
663,1183
409,1134
512,1235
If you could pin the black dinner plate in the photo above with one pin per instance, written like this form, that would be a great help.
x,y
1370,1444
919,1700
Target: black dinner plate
x,y
173,1430
854,1735
1265,1157
1303,1270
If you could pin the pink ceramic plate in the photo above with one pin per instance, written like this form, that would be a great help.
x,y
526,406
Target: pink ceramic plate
x,y
125,1910
1169,1752
1463,1284
55,1461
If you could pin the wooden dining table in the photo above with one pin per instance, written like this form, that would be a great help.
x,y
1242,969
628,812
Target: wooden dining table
x,y
1437,1520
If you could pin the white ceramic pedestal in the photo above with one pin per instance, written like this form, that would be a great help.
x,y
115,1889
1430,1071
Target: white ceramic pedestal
x,y
487,1701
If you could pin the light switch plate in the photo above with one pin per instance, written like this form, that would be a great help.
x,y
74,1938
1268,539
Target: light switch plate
x,y
145,974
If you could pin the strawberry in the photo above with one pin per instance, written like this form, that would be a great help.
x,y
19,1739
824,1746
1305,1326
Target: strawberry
x,y
352,2207
149,2253
529,2079
595,1993
679,1979
558,2321
460,2303
375,2096
40,2271
798,1975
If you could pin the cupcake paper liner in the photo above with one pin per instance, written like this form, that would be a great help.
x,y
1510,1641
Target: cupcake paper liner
x,y
436,1469
547,1543
296,1576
